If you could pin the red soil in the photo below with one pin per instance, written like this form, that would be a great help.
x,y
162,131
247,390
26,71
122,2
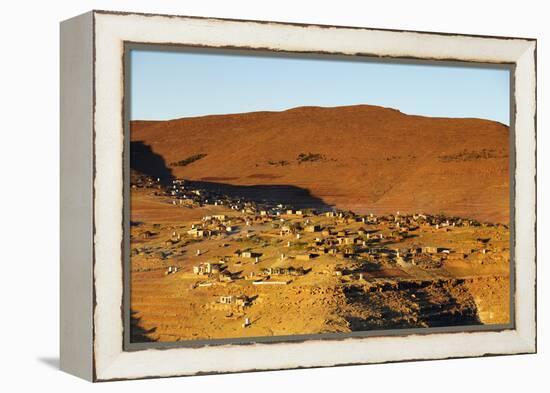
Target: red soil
x,y
373,159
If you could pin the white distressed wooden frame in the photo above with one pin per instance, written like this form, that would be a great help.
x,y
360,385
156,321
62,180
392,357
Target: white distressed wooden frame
x,y
92,194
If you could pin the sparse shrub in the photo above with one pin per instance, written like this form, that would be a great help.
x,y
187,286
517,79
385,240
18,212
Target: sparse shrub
x,y
472,155
278,163
309,157
189,160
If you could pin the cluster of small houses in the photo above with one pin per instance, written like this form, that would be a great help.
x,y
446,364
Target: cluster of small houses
x,y
211,225
184,193
428,257
291,223
219,268
142,181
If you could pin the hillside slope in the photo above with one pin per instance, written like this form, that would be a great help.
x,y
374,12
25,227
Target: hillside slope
x,y
364,158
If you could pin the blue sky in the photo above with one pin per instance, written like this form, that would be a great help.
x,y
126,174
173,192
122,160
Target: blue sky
x,y
169,85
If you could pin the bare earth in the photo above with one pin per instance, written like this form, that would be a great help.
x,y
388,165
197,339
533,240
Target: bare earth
x,y
301,230
372,159
372,292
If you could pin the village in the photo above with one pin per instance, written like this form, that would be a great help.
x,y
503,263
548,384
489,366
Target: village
x,y
230,266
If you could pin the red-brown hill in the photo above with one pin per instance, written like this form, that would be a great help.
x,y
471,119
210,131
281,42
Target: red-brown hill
x,y
364,158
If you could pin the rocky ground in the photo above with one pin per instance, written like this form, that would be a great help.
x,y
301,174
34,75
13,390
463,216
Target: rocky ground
x,y
371,284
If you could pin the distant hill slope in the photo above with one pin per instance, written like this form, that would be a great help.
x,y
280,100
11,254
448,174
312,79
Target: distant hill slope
x,y
364,158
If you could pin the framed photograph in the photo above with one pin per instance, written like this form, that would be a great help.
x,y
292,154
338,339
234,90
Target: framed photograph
x,y
248,195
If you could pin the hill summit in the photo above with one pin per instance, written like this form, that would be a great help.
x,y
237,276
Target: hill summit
x,y
363,158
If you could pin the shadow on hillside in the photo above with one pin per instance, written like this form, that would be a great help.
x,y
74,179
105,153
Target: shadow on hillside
x,y
296,197
144,160
138,334
411,305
